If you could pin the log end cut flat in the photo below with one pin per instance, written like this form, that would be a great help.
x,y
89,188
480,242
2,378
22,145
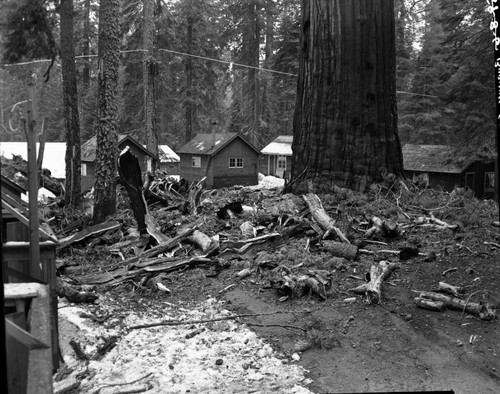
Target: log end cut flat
x,y
430,305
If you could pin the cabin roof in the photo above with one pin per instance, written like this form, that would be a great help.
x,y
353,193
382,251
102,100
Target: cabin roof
x,y
280,146
211,143
167,155
432,158
88,149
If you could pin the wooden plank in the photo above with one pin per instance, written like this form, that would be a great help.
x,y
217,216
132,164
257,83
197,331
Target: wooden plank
x,y
40,367
17,358
23,336
14,291
18,214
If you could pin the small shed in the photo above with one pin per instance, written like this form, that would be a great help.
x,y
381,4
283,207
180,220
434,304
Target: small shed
x,y
148,160
437,166
169,160
226,159
277,157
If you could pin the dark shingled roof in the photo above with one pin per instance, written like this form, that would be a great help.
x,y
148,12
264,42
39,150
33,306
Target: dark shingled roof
x,y
88,149
432,158
211,143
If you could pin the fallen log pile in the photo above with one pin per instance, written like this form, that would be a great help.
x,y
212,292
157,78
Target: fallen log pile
x,y
298,246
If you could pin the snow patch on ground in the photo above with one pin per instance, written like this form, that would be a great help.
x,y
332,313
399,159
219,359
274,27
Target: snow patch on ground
x,y
215,357
268,182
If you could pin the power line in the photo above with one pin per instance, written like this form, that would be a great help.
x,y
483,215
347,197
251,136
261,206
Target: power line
x,y
227,62
164,50
204,58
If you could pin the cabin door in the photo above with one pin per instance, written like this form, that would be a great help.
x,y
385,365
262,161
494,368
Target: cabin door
x,y
469,180
280,166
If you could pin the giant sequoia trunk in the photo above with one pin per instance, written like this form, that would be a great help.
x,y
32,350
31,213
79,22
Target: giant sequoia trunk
x,y
107,110
70,104
345,121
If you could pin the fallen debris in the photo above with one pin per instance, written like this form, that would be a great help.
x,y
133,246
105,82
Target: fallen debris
x,y
87,232
484,311
435,223
373,289
73,294
383,228
450,289
322,218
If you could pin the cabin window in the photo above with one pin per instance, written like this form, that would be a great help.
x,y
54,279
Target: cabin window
x,y
196,161
149,164
489,181
281,162
236,162
84,169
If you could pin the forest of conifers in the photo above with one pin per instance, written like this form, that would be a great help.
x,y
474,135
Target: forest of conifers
x,y
232,65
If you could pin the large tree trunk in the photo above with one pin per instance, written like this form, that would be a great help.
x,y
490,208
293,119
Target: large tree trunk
x,y
107,110
345,121
70,104
267,104
251,41
86,45
149,69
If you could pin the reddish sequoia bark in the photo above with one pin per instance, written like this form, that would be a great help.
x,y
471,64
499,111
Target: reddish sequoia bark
x,y
345,121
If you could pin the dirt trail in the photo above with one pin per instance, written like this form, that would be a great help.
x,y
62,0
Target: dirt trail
x,y
378,350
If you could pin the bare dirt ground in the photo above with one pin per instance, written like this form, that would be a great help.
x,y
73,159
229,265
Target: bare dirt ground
x,y
342,342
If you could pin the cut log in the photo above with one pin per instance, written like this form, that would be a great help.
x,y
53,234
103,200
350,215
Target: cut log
x,y
431,305
322,218
340,249
484,311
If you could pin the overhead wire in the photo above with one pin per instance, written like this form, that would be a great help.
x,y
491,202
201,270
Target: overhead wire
x,y
230,63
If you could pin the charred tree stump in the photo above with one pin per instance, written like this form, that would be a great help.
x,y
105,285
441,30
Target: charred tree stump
x,y
130,175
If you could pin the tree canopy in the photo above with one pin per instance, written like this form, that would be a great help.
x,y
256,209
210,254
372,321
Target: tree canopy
x,y
238,69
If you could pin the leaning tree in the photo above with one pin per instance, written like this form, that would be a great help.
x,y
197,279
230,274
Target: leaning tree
x,y
345,121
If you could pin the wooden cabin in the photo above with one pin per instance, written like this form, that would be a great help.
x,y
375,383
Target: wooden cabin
x,y
437,166
148,160
169,161
277,157
225,159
